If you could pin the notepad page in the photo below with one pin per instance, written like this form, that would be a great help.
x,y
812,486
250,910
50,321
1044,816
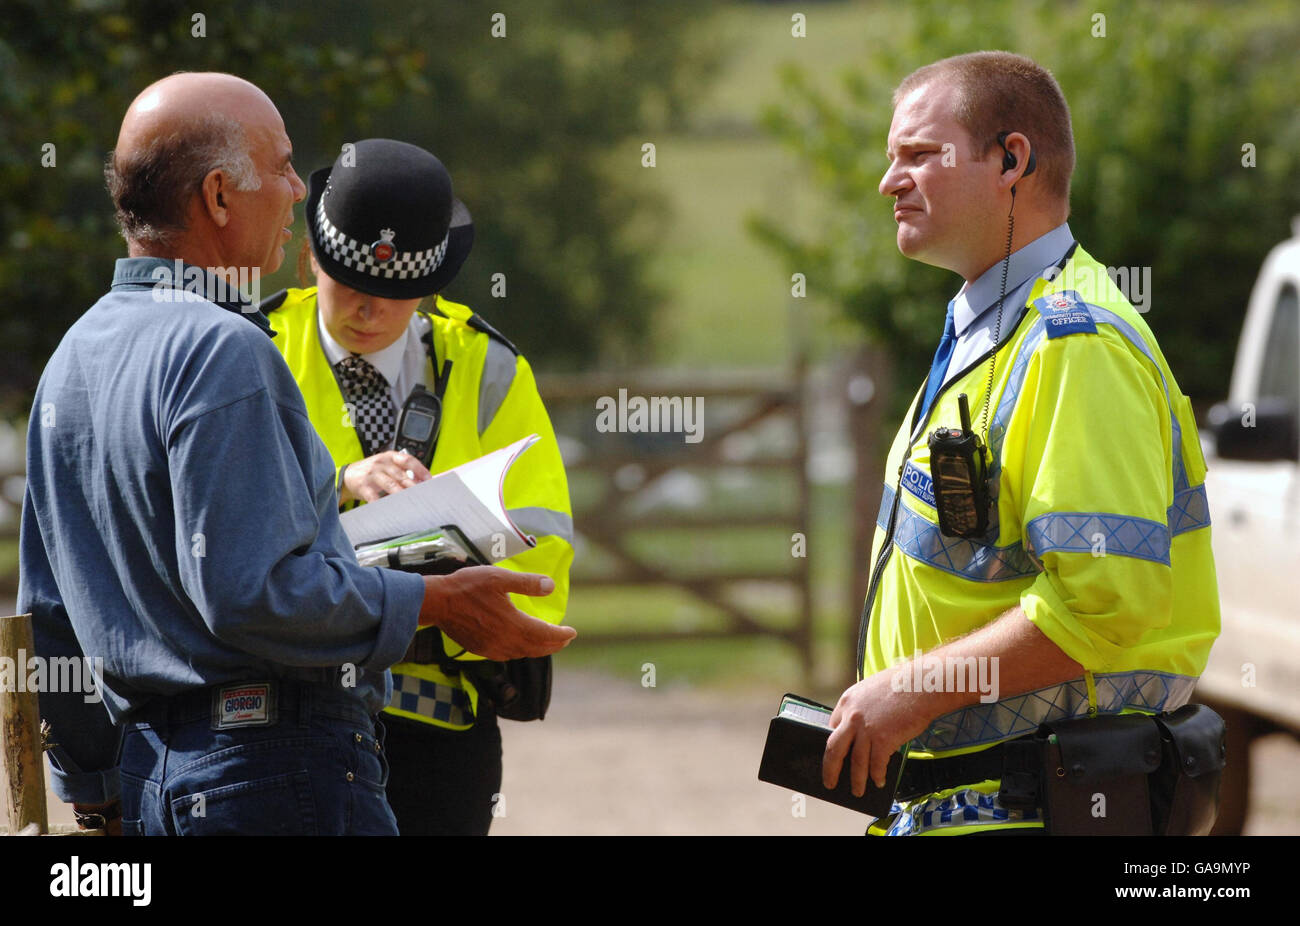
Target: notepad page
x,y
817,717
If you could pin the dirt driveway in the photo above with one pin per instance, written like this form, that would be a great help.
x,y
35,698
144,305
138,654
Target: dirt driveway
x,y
613,758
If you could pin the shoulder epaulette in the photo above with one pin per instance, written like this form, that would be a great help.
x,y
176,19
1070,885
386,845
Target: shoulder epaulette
x,y
477,322
1065,313
273,302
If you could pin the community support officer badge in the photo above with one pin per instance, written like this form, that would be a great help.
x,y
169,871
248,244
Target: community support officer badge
x,y
384,249
1065,313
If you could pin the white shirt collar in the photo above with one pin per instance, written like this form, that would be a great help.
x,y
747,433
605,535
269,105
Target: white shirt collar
x,y
387,361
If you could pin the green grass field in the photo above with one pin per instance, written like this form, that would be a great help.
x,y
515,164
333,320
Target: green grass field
x,y
730,302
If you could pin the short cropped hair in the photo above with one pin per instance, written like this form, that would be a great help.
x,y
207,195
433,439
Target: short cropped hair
x,y
1001,92
152,188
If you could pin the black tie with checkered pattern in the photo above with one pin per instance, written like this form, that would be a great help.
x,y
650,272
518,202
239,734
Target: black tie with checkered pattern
x,y
366,390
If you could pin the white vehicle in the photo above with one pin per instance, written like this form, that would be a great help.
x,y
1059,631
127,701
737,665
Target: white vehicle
x,y
1253,484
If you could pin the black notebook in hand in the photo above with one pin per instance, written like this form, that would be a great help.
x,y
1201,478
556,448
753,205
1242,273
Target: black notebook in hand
x,y
792,758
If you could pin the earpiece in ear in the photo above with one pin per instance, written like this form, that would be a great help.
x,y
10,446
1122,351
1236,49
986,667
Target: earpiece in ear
x,y
1008,159
1009,162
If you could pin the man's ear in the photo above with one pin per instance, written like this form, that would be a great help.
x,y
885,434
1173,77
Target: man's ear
x,y
214,194
1017,161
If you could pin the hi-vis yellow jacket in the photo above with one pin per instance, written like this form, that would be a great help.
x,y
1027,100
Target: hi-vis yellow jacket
x,y
490,401
1099,530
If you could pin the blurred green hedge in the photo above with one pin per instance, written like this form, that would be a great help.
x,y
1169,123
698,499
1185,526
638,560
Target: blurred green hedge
x,y
526,123
1162,106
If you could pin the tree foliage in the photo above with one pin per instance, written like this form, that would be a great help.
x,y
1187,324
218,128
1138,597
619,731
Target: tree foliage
x,y
541,130
1162,106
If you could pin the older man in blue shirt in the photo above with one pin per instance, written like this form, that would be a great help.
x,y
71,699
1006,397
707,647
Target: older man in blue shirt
x,y
181,525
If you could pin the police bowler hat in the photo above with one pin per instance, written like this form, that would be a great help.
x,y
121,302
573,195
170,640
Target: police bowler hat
x,y
383,220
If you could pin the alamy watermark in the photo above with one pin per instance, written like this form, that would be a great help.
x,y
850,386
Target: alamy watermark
x,y
53,675
670,414
75,878
923,673
1094,282
183,282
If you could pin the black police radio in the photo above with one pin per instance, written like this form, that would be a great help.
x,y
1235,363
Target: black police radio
x,y
959,467
417,428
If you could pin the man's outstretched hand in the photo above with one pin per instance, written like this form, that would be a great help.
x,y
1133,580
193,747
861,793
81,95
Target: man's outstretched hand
x,y
473,607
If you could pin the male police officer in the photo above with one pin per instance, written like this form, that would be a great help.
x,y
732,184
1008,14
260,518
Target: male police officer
x,y
1092,590
181,520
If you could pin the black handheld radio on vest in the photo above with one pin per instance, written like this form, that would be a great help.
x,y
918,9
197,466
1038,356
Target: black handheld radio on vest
x,y
421,418
959,467
417,428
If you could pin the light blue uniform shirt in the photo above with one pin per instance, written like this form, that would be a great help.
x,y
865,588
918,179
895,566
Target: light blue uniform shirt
x,y
975,311
180,523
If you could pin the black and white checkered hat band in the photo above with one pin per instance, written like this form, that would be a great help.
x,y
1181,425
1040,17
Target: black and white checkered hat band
x,y
403,265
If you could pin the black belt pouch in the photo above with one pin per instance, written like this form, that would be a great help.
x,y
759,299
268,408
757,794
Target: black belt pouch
x,y
1185,790
1096,775
517,690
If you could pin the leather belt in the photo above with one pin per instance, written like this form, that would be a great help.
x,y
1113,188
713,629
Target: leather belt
x,y
286,700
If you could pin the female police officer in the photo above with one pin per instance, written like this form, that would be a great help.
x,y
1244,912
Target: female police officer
x,y
386,232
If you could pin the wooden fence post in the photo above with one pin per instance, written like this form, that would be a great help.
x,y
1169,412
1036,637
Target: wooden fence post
x,y
868,403
20,735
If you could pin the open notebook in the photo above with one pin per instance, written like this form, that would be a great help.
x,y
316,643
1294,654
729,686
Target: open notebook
x,y
459,513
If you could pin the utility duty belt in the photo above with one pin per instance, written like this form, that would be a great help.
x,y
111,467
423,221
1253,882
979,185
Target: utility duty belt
x,y
1113,775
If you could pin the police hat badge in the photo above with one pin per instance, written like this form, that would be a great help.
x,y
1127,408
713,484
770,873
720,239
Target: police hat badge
x,y
383,249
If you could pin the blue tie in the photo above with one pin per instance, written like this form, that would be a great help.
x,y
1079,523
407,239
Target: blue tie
x,y
942,355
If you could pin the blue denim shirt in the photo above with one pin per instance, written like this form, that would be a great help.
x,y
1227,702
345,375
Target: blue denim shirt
x,y
180,522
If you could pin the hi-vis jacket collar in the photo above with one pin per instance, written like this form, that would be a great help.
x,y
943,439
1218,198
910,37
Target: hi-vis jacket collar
x,y
982,296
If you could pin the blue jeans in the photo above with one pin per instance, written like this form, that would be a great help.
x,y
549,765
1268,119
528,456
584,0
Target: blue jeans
x,y
315,766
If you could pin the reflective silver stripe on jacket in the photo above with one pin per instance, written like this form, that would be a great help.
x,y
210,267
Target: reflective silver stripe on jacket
x,y
1098,533
921,539
498,374
980,724
543,521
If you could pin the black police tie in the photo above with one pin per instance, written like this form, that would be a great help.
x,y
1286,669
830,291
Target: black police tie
x,y
373,415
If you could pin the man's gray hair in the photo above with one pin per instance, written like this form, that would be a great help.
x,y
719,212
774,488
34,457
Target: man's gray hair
x,y
152,188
